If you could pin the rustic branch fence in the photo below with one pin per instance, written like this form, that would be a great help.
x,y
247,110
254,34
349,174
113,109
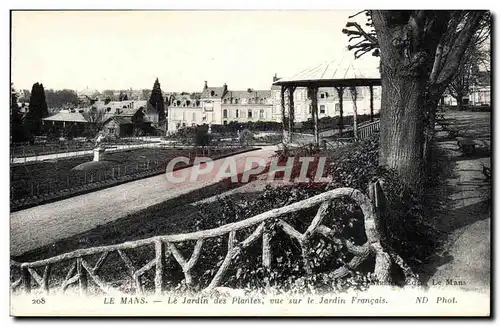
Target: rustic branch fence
x,y
80,271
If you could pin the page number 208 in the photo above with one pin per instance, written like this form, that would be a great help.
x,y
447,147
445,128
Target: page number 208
x,y
38,301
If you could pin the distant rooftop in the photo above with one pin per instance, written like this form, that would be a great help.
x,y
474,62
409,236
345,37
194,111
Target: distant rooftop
x,y
67,116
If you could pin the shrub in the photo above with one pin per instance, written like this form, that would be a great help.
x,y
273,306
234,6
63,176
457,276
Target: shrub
x,y
202,137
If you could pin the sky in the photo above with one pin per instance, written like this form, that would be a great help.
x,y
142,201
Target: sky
x,y
130,49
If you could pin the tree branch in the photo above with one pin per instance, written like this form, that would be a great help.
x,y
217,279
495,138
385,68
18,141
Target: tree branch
x,y
460,46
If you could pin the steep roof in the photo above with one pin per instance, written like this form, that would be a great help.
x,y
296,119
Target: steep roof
x,y
66,116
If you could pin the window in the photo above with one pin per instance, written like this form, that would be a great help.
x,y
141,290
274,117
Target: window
x,y
237,113
322,95
261,114
225,122
212,93
249,114
111,130
235,101
337,108
310,109
322,109
224,114
194,116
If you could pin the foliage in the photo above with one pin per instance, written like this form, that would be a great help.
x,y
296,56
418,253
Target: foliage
x,y
17,130
408,229
234,126
123,96
157,101
334,122
64,98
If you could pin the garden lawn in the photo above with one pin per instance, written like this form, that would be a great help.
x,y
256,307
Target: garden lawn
x,y
51,180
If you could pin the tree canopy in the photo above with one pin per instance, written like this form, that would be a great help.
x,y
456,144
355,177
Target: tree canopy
x,y
38,109
157,101
61,98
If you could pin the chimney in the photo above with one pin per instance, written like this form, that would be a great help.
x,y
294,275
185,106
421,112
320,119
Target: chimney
x,y
206,85
224,91
275,77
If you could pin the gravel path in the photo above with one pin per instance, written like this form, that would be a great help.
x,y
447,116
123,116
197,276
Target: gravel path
x,y
38,226
466,263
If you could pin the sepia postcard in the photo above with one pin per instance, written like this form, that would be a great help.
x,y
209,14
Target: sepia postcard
x,y
250,163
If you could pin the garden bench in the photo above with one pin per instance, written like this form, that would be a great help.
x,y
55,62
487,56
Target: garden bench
x,y
467,145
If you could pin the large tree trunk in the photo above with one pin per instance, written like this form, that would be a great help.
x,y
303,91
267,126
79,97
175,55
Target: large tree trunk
x,y
402,127
403,101
460,101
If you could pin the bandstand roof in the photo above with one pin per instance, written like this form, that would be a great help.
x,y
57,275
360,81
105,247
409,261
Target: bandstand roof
x,y
345,71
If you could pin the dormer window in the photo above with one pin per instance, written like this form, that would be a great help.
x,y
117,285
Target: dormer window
x,y
212,93
235,101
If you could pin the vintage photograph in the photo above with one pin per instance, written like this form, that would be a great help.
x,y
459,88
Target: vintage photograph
x,y
250,163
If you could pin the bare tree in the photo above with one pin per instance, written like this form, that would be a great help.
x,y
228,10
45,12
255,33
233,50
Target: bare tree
x,y
475,61
95,116
420,52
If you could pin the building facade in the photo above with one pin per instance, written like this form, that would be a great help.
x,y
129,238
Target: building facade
x,y
220,105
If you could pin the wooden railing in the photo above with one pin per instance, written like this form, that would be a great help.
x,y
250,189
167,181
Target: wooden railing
x,y
366,130
80,271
